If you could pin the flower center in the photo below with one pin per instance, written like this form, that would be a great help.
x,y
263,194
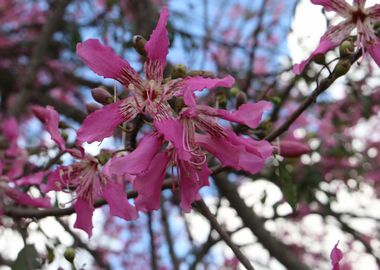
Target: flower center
x,y
358,15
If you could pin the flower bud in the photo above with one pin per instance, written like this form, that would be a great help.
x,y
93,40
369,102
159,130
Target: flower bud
x,y
101,95
69,254
319,59
241,99
221,100
178,71
293,149
139,44
346,48
234,91
91,107
342,67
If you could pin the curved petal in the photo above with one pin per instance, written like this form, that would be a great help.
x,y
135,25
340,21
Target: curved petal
x,y
248,114
172,129
191,181
336,256
157,48
339,6
374,12
117,200
149,184
50,118
137,161
101,123
105,62
22,198
331,39
84,212
192,84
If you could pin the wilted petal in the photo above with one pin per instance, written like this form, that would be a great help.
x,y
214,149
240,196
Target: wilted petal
x,y
137,161
339,6
101,123
117,200
50,118
149,184
192,84
24,199
157,48
331,39
172,129
191,181
336,255
105,62
84,212
249,114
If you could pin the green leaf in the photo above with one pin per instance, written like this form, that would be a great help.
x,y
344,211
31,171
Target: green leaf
x,y
288,187
27,258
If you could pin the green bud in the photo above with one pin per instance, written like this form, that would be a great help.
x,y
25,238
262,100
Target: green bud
x,y
221,99
276,100
101,95
50,255
139,44
69,254
346,48
341,68
178,71
319,59
234,91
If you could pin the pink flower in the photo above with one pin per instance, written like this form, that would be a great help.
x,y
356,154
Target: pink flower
x,y
336,255
356,16
91,183
148,96
293,148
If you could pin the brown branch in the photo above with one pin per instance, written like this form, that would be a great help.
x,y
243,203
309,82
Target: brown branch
x,y
203,209
153,255
276,248
169,238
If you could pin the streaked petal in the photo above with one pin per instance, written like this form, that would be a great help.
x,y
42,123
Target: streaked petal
x,y
374,51
157,48
137,161
84,212
101,123
339,6
331,39
117,200
105,62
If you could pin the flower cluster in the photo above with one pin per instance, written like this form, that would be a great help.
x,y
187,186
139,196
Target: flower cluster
x,y
179,139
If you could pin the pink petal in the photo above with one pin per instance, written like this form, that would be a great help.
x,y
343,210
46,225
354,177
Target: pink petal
x,y
137,161
336,255
24,199
149,184
105,62
374,12
54,181
293,149
50,118
31,179
172,130
117,200
157,48
249,114
192,84
374,51
191,181
84,212
331,39
339,6
101,123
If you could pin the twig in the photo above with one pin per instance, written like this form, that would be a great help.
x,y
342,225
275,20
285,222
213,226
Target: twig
x,y
153,255
203,209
